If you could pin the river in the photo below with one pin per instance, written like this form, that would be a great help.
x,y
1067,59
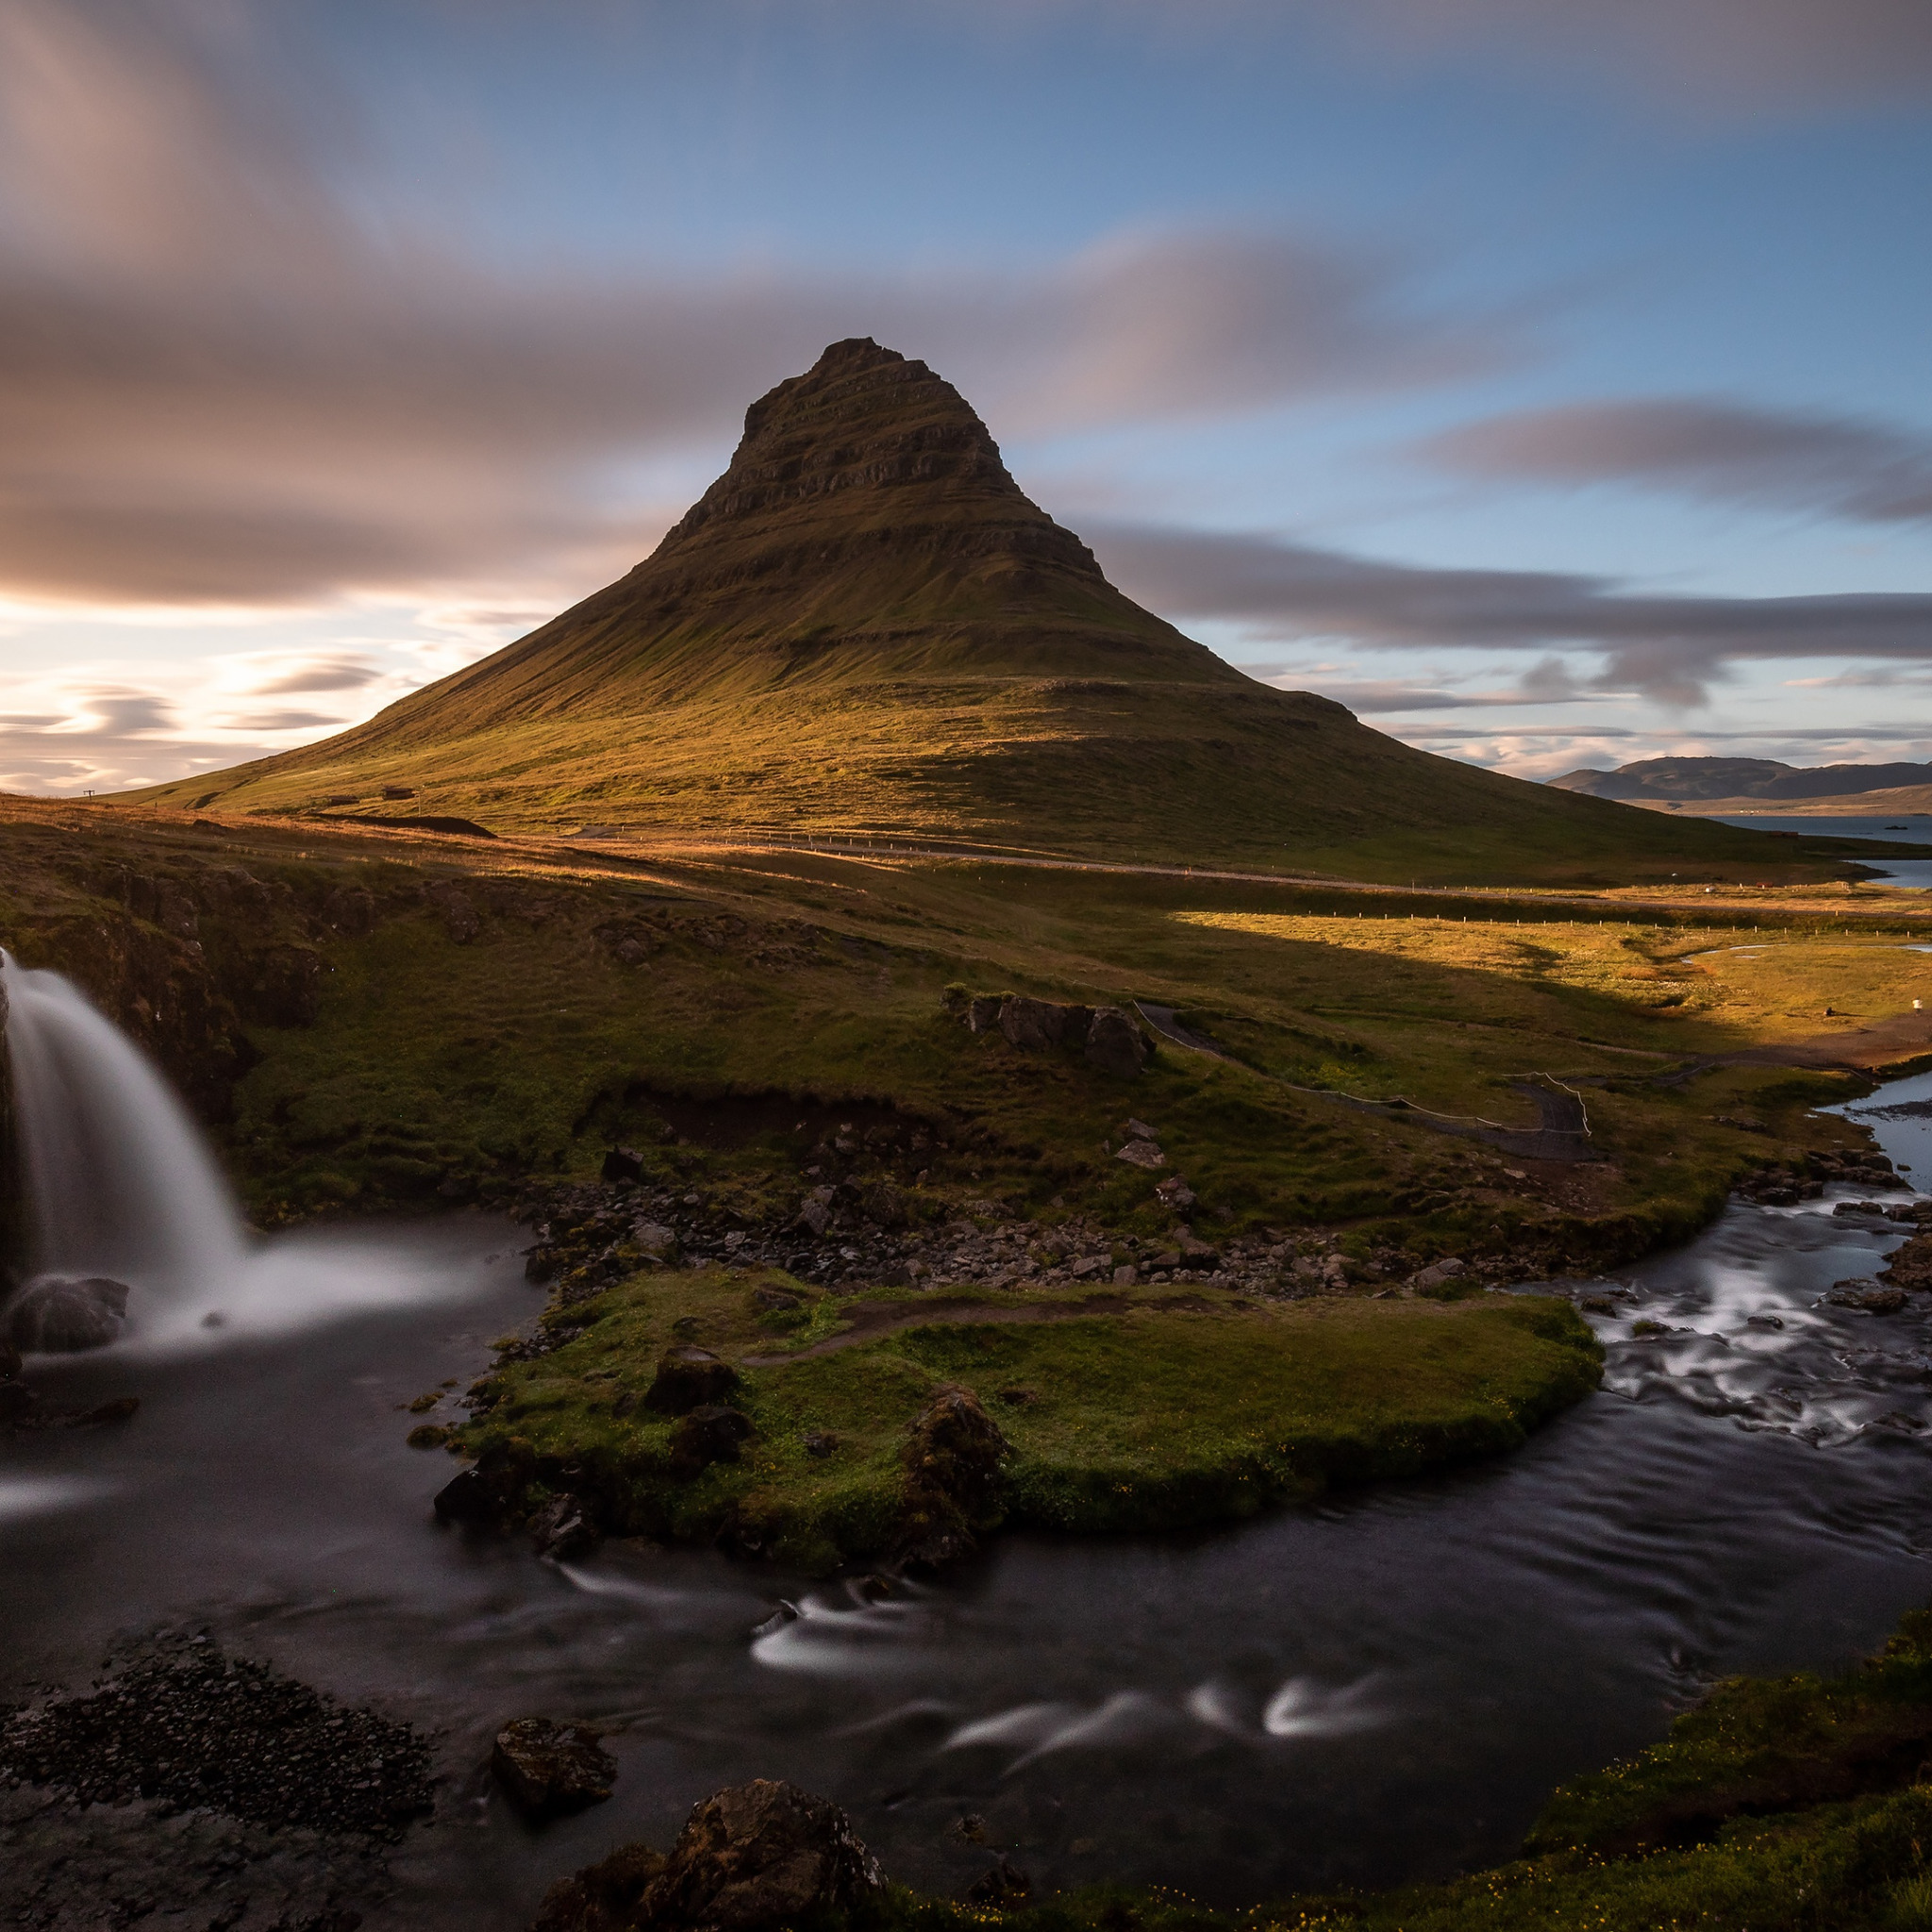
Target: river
x,y
1380,1689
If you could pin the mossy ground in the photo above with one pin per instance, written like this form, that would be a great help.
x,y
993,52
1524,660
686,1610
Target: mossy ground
x,y
1126,1409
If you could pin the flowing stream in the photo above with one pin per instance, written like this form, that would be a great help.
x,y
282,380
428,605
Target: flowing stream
x,y
1382,1688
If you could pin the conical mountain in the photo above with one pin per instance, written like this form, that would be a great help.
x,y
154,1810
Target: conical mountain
x,y
865,625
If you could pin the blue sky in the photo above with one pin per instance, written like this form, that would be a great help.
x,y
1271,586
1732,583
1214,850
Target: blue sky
x,y
1548,382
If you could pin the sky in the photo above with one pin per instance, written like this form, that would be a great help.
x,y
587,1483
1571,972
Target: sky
x,y
1549,382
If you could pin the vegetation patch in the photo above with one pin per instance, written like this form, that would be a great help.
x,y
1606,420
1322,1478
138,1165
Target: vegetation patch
x,y
1131,1410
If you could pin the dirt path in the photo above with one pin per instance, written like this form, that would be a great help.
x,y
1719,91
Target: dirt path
x,y
870,1319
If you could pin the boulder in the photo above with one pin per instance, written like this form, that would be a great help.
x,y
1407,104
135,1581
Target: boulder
x,y
623,1164
707,1435
654,1238
1175,1192
1142,1153
982,1015
689,1377
549,1770
1438,1276
763,1854
1114,1043
58,1314
953,1455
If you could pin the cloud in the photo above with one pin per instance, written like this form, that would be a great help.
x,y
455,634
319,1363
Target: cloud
x,y
1724,452
1738,56
222,380
1669,648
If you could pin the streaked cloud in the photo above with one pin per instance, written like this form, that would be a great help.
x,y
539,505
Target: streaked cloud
x,y
219,382
1669,648
1722,451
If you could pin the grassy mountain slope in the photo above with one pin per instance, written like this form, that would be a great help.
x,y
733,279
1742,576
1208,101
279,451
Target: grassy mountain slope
x,y
865,625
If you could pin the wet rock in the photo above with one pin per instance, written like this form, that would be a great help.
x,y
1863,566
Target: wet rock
x,y
689,1377
753,1859
63,1315
1910,1266
466,1497
623,1164
561,1528
1868,1296
707,1435
1114,1043
549,1770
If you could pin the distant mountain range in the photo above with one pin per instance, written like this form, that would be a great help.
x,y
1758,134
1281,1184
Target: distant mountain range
x,y
1736,785
865,627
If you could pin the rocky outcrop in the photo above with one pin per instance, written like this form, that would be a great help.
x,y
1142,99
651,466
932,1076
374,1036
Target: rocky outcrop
x,y
751,1858
1110,1037
549,1770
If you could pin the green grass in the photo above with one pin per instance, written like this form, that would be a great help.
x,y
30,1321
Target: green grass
x,y
1157,1410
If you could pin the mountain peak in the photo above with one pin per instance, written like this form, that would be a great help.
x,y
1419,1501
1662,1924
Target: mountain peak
x,y
868,441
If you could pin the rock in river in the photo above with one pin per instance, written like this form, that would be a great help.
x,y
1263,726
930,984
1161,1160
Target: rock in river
x,y
549,1769
59,1314
753,1859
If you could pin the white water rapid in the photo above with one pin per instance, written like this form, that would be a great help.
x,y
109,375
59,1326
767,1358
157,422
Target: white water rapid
x,y
116,1178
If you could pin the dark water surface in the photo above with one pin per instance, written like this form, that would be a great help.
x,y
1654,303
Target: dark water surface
x,y
1382,1689
1911,828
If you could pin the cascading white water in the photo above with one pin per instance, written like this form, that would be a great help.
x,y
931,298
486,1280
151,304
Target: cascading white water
x,y
116,1179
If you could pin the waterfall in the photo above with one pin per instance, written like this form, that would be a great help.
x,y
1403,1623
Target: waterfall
x,y
116,1179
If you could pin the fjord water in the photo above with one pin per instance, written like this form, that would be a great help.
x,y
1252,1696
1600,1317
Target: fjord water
x,y
1381,1687
1911,828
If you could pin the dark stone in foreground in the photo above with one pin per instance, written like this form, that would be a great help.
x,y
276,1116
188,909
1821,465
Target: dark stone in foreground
x,y
550,1770
59,1314
179,1721
753,1859
689,1377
